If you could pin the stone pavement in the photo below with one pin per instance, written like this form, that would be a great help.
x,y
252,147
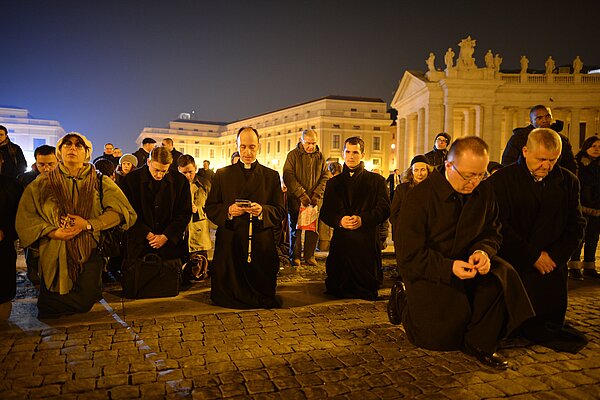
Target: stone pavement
x,y
315,347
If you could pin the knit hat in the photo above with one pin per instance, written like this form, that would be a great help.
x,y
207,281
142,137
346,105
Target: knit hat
x,y
86,142
419,158
129,158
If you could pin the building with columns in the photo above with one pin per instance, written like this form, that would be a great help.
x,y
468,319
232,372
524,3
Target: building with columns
x,y
464,99
335,118
29,132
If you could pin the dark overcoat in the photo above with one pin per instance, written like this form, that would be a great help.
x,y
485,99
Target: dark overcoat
x,y
354,261
399,196
235,283
167,213
436,230
10,194
538,216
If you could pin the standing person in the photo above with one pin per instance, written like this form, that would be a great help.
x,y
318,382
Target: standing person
x,y
438,155
14,160
117,153
540,116
45,161
304,175
61,212
127,163
588,160
418,171
393,181
168,144
164,206
459,295
355,203
10,194
334,168
246,203
108,154
541,228
143,152
198,233
205,172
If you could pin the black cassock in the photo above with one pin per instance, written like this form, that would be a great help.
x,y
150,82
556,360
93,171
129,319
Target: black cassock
x,y
354,261
535,217
235,283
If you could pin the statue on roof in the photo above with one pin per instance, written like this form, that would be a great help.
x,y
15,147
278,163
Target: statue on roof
x,y
550,65
465,56
497,62
489,59
577,65
449,59
430,62
524,64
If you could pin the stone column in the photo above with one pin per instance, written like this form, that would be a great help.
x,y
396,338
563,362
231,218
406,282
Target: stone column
x,y
573,133
411,133
400,140
523,117
420,142
478,121
449,119
498,136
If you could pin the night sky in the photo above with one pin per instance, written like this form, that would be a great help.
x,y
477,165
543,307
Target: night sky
x,y
109,68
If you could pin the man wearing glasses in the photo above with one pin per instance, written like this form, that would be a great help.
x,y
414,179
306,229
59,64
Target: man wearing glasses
x,y
540,116
438,155
459,295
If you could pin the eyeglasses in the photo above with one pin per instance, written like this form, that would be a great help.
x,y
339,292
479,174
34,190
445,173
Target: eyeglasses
x,y
440,139
78,145
472,178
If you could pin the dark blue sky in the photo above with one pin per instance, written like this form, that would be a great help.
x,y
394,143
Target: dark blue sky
x,y
110,68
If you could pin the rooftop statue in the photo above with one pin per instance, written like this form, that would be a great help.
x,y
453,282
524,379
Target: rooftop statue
x,y
449,59
430,62
497,62
577,65
465,56
489,60
550,65
524,64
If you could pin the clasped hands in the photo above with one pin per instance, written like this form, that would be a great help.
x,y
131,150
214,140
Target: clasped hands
x,y
156,241
545,264
71,225
309,201
351,222
478,262
255,210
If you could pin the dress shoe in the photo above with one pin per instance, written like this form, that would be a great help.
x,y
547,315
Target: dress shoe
x,y
312,262
396,303
591,273
493,360
576,274
296,262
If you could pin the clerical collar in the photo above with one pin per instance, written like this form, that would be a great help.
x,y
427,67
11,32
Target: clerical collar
x,y
248,166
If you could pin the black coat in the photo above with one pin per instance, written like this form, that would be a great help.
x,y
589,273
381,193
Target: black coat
x,y
142,157
14,160
513,150
399,196
538,216
235,283
167,213
10,194
436,157
436,230
354,261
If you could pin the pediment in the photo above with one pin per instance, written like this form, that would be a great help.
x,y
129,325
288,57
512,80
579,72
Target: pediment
x,y
411,83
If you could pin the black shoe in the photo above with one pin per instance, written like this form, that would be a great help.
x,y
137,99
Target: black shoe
x,y
396,303
493,360
575,273
590,273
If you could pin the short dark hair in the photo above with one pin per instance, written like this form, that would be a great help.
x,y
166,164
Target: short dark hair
x,y
161,155
44,150
106,167
334,167
473,143
186,159
206,161
3,128
355,140
536,108
168,140
243,128
148,140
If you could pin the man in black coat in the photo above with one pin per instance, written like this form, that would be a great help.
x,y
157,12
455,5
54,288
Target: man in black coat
x,y
168,144
108,155
459,294
14,162
392,181
542,226
143,152
438,155
540,116
246,203
355,203
162,201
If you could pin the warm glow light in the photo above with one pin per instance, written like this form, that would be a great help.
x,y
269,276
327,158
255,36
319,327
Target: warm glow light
x,y
275,161
393,146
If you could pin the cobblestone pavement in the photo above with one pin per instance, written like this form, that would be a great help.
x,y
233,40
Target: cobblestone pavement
x,y
319,348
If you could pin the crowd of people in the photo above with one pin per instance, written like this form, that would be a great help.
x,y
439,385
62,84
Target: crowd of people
x,y
478,260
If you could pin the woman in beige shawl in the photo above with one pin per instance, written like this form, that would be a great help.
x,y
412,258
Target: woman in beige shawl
x,y
61,211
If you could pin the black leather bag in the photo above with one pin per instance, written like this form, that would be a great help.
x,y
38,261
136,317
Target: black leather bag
x,y
150,276
111,240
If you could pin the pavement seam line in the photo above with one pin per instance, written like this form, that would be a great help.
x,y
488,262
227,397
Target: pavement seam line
x,y
139,343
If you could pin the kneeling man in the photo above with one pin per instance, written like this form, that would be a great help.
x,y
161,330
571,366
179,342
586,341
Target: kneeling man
x,y
459,295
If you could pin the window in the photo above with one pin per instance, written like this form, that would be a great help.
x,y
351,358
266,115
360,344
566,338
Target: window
x,y
353,109
335,142
38,142
211,154
182,149
313,127
374,111
356,127
376,128
376,162
196,153
337,126
376,143
289,145
278,146
268,147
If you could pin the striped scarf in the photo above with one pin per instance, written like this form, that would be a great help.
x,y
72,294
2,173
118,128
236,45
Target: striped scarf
x,y
80,202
